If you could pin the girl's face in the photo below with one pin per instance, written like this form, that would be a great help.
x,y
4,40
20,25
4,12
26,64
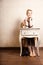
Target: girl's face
x,y
29,15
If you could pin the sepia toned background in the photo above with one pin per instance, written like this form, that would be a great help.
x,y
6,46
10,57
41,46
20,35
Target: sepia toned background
x,y
12,12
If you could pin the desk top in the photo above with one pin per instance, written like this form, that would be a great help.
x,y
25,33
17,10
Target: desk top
x,y
30,29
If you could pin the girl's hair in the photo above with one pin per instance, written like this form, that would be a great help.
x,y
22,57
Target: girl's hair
x,y
27,11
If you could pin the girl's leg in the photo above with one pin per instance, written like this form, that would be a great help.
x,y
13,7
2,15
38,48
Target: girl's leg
x,y
30,50
33,51
33,46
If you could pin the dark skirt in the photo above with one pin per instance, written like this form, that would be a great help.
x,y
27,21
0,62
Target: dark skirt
x,y
30,41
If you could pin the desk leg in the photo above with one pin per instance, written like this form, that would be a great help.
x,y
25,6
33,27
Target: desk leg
x,y
37,46
21,50
20,45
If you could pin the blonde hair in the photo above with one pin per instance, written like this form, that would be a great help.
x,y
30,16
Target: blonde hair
x,y
27,11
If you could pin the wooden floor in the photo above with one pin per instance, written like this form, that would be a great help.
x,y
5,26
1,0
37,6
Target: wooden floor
x,y
11,57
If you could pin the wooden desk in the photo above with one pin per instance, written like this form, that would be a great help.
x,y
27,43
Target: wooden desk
x,y
29,33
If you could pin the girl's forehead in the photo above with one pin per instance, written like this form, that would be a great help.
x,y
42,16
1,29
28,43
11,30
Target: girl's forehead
x,y
29,11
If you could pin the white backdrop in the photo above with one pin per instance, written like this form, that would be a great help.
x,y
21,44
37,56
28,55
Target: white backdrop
x,y
12,13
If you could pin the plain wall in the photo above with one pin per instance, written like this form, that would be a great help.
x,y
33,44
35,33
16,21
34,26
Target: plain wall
x,y
12,12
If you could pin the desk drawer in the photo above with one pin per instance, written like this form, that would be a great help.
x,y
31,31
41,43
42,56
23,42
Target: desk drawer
x,y
29,32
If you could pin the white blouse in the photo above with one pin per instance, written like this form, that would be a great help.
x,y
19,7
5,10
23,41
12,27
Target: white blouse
x,y
31,23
